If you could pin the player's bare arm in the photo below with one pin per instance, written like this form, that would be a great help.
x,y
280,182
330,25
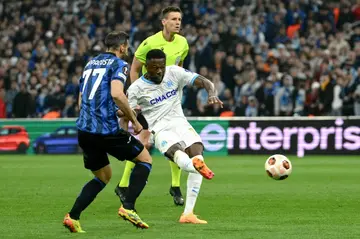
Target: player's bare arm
x,y
202,82
79,100
135,69
122,102
124,121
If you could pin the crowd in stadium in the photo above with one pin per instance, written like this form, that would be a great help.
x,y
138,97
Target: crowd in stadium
x,y
266,57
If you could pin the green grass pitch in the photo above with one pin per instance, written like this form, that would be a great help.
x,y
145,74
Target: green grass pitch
x,y
321,199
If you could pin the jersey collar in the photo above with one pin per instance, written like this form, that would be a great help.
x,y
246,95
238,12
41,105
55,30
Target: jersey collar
x,y
147,81
162,36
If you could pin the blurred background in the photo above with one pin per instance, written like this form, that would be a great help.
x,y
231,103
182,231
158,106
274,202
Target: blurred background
x,y
266,57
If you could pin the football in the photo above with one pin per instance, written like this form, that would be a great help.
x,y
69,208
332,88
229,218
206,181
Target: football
x,y
278,167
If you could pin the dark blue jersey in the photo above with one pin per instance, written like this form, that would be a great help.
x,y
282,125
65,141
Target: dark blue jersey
x,y
98,109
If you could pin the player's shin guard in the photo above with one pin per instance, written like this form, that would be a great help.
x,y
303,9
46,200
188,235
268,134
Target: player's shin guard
x,y
86,196
193,187
126,175
184,162
138,181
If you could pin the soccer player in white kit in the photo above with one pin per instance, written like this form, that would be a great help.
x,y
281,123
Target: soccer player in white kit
x,y
159,93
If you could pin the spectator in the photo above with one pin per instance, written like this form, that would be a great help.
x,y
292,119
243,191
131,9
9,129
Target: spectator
x,y
23,103
345,16
265,97
2,104
251,109
312,100
326,94
228,101
201,102
219,85
345,94
250,88
9,98
299,99
228,71
240,108
192,61
337,101
283,98
69,110
357,101
40,101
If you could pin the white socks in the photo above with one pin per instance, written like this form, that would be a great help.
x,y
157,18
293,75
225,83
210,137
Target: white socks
x,y
184,162
194,179
193,187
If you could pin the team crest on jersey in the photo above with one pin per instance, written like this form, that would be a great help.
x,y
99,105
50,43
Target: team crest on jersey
x,y
169,84
163,143
177,61
125,70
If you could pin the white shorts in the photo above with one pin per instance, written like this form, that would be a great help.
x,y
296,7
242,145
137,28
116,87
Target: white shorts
x,y
175,132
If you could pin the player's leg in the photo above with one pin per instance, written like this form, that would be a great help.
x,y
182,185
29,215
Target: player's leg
x,y
194,148
194,166
169,143
96,160
163,141
124,146
138,180
175,184
177,154
122,187
193,187
174,191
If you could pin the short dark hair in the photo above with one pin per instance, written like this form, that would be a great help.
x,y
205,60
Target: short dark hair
x,y
166,10
116,38
155,54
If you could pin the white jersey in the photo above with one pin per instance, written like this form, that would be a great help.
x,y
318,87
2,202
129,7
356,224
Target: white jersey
x,y
161,102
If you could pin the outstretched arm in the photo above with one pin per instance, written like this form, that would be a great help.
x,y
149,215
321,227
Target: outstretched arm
x,y
202,82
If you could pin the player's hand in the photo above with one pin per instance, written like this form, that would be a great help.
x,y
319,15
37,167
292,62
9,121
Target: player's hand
x,y
120,114
137,128
214,100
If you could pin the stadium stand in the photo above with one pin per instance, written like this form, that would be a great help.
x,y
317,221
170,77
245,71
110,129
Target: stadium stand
x,y
266,57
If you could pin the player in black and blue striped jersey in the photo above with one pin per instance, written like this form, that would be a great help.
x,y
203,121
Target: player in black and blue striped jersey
x,y
99,133
96,113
